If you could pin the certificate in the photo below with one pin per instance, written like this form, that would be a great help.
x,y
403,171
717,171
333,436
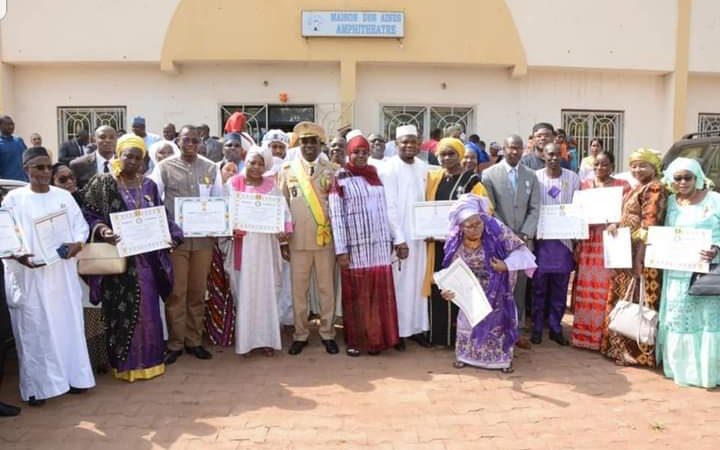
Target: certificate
x,y
601,205
141,230
11,238
469,295
431,219
678,248
52,231
204,216
562,222
617,250
258,213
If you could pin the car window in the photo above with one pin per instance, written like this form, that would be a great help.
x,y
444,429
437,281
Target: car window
x,y
711,164
691,152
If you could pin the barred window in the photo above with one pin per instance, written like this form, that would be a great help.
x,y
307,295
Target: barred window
x,y
709,123
584,126
72,119
426,118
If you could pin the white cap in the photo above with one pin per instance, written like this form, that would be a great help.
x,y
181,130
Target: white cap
x,y
352,134
406,130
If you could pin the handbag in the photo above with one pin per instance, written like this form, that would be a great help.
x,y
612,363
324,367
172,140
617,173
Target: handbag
x,y
634,320
706,283
100,258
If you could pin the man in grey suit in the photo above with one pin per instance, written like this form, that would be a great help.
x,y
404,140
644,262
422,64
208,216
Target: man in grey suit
x,y
515,192
85,167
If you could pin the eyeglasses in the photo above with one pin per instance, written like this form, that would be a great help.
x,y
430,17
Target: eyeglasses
x,y
679,178
41,167
65,178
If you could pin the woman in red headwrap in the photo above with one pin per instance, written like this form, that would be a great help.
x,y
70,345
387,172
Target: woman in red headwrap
x,y
363,245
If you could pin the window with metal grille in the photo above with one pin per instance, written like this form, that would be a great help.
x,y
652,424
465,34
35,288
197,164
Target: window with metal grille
x,y
425,118
708,123
584,126
72,119
261,118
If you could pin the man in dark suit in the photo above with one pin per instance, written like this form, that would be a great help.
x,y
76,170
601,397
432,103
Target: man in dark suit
x,y
514,190
85,167
74,148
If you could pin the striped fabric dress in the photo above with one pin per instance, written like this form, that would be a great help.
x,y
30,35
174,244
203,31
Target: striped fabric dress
x,y
361,230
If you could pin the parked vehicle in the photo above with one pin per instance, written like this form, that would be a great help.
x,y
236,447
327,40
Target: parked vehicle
x,y
705,147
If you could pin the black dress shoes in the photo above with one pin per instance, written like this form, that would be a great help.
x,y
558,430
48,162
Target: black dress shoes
x,y
536,337
297,347
199,352
400,346
8,410
559,338
330,346
421,340
36,401
74,390
171,356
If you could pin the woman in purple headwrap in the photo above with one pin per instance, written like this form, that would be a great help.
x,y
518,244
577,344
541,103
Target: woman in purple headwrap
x,y
491,250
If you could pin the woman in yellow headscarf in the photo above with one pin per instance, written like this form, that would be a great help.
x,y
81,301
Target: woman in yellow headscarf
x,y
130,300
643,207
447,183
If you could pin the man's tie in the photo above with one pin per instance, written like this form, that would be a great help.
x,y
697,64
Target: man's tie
x,y
512,175
106,169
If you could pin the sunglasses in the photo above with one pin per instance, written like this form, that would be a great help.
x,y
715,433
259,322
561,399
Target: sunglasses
x,y
65,178
41,167
233,145
679,178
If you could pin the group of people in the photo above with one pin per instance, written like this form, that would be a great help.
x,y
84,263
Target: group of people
x,y
347,230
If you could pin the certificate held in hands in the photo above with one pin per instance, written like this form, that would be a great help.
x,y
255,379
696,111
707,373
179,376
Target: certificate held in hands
x,y
141,230
677,248
469,295
258,213
431,219
11,238
204,216
562,222
600,205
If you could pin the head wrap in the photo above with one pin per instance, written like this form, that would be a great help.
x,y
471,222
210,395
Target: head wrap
x,y
125,142
275,136
691,165
356,140
497,242
246,142
264,153
473,148
542,125
649,156
152,151
453,143
138,121
34,152
405,130
236,122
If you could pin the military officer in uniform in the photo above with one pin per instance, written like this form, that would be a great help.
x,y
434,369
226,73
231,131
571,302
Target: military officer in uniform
x,y
305,182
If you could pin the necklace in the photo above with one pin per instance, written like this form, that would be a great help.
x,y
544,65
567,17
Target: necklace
x,y
137,202
685,201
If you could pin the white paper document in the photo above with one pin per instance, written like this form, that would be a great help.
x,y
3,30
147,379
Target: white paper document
x,y
141,230
617,250
258,213
52,231
469,295
11,238
431,219
562,222
677,248
204,216
601,205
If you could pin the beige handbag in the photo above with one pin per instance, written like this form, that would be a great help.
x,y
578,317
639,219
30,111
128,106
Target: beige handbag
x,y
100,258
634,320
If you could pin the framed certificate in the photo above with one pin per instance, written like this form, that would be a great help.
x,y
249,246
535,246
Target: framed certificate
x,y
617,250
204,216
562,222
141,230
52,231
676,248
469,295
431,219
600,205
11,237
258,213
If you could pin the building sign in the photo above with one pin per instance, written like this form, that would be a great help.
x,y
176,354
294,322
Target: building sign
x,y
387,24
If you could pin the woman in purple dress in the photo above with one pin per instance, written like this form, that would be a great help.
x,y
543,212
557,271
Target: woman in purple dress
x,y
491,251
129,300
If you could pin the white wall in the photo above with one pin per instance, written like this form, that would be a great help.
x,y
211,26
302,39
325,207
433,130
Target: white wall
x,y
613,34
193,96
703,97
705,36
85,30
505,105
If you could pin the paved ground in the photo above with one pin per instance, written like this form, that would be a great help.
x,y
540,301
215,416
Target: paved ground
x,y
558,398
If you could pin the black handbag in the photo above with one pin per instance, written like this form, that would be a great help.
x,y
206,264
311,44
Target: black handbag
x,y
705,284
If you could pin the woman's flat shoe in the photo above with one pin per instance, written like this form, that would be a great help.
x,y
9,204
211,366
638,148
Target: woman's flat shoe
x,y
373,352
507,369
36,401
352,352
74,390
458,364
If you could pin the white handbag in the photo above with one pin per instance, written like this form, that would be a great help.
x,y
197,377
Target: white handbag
x,y
100,258
634,320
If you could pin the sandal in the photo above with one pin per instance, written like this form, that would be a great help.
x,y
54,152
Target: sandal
x,y
507,370
458,364
352,352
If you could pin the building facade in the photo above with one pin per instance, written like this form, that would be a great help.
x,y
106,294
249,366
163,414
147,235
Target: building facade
x,y
634,74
